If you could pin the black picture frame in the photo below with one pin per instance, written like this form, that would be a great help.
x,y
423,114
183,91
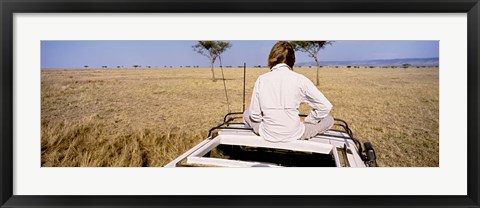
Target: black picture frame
x,y
10,7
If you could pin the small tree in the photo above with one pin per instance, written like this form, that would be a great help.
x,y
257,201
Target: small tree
x,y
312,48
406,65
211,49
86,66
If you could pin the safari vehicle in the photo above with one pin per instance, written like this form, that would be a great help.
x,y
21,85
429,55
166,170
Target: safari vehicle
x,y
236,145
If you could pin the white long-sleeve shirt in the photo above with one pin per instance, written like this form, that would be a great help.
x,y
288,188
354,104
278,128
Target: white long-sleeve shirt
x,y
275,100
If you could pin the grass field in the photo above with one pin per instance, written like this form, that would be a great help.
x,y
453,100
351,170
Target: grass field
x,y
127,117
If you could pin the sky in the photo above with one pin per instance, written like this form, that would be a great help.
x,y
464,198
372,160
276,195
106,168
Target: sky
x,y
76,54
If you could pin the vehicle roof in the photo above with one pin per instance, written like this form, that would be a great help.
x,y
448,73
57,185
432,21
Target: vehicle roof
x,y
323,144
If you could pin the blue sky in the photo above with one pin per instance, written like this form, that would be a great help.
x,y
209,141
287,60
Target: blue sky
x,y
76,54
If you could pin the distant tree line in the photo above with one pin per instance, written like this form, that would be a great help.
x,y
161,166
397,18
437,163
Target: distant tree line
x,y
406,65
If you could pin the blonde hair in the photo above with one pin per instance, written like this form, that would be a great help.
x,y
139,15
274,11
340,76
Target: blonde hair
x,y
282,52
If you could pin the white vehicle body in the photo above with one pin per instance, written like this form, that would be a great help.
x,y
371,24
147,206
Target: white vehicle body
x,y
336,147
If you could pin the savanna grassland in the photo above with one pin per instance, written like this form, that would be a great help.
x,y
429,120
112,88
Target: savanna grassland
x,y
147,117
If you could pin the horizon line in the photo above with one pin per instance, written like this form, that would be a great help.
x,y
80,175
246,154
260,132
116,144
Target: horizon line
x,y
230,66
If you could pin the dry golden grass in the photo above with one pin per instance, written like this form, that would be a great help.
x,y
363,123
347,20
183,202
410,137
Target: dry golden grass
x,y
149,117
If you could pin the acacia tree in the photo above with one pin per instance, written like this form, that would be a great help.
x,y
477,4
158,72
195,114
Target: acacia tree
x,y
211,49
406,65
312,48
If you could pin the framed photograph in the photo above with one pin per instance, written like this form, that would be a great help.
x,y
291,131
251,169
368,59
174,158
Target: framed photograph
x,y
232,103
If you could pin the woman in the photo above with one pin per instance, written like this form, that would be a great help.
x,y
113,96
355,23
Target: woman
x,y
276,96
